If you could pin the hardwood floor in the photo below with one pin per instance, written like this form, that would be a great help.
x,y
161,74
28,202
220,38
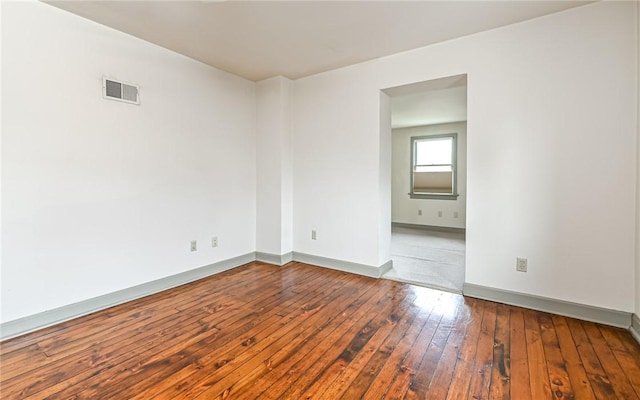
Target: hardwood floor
x,y
304,332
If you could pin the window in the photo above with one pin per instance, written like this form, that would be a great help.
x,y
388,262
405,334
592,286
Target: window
x,y
433,167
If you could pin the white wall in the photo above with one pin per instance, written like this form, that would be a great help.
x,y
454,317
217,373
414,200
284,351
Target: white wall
x,y
1,173
99,195
404,208
274,166
551,153
336,147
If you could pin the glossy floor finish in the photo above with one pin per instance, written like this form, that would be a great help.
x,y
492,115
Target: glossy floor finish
x,y
304,332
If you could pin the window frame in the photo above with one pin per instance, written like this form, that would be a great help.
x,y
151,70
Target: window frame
x,y
454,166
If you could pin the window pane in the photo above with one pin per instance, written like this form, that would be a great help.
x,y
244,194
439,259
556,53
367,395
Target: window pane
x,y
433,167
434,151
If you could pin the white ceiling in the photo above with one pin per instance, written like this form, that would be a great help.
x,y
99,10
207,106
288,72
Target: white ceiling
x,y
262,39
436,101
429,108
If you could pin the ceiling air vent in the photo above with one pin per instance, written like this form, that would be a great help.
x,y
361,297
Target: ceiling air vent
x,y
115,90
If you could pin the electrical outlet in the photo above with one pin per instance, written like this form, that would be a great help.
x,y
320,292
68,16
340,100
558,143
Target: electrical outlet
x,y
439,214
214,241
455,214
194,245
419,212
521,264
313,235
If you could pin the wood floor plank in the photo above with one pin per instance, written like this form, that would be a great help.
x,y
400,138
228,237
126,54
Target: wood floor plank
x,y
538,371
241,360
299,331
356,362
388,360
129,361
520,376
602,387
628,341
304,369
575,369
499,387
628,360
282,375
12,361
483,361
415,373
619,380
239,333
440,382
558,376
463,372
412,373
297,349
345,348
630,365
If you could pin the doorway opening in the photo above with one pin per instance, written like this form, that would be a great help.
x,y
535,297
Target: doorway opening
x,y
428,182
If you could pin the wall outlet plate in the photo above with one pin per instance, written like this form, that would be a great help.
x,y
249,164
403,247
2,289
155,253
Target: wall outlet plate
x,y
194,245
521,264
214,241
314,236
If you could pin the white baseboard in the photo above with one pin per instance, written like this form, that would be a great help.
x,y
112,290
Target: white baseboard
x,y
386,267
51,317
346,266
635,327
605,316
274,258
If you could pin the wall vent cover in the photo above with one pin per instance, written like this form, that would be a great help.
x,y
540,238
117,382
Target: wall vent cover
x,y
120,91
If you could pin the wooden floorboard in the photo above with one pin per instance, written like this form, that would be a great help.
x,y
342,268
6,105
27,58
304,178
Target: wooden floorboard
x,y
305,332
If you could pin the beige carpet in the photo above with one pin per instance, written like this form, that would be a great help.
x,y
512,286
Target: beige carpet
x,y
428,258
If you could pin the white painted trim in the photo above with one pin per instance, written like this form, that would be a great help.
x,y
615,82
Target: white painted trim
x,y
635,327
588,313
51,317
346,266
274,258
386,267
